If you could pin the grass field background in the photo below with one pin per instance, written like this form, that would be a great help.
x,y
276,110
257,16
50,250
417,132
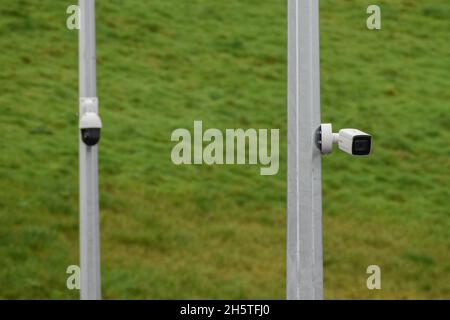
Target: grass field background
x,y
219,232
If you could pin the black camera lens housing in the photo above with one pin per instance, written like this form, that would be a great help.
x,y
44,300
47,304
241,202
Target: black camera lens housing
x,y
362,145
90,137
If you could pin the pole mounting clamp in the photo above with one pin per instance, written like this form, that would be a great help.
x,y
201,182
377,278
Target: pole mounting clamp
x,y
88,104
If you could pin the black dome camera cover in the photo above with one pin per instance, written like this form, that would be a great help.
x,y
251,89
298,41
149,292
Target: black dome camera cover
x,y
90,136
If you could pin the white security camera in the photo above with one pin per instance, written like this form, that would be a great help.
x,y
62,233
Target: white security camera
x,y
90,122
352,141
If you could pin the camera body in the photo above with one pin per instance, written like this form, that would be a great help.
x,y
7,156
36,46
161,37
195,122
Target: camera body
x,y
355,142
90,123
351,141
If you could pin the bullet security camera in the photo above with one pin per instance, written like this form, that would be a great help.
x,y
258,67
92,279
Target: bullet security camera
x,y
351,141
90,122
355,142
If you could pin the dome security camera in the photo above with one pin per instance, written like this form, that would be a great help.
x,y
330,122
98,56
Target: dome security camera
x,y
351,141
90,122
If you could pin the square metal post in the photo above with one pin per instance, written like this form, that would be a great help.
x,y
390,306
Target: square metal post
x,y
89,197
304,217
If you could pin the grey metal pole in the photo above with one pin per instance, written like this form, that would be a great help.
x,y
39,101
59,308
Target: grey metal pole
x,y
304,217
89,199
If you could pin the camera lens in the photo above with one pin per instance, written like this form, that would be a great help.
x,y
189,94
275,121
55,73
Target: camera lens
x,y
362,145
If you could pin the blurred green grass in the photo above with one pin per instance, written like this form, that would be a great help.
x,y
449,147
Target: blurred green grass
x,y
219,232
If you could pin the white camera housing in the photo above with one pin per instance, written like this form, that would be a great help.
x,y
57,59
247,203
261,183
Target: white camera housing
x,y
90,120
351,141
